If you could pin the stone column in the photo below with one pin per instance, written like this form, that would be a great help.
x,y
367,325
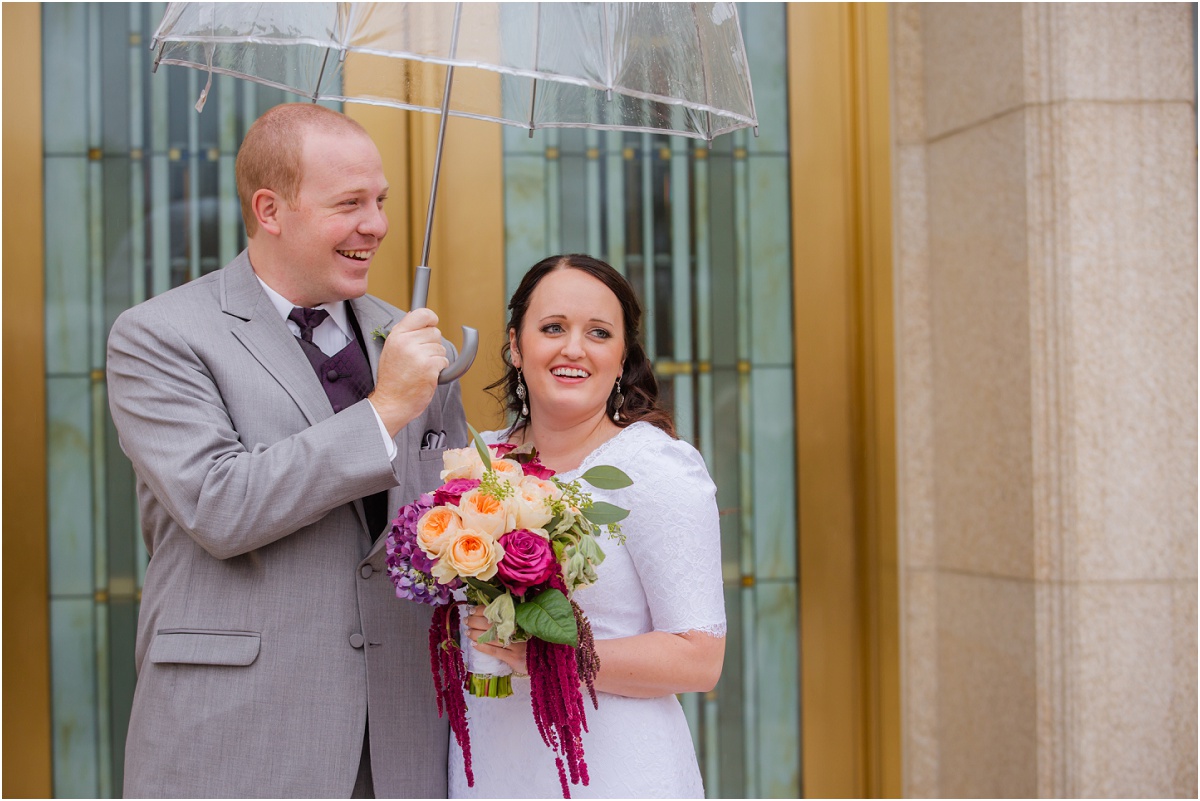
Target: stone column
x,y
1045,225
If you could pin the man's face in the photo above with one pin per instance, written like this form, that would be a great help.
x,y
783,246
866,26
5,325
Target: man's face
x,y
329,236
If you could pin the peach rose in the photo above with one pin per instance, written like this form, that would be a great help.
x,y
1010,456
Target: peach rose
x,y
469,553
484,513
508,470
530,503
435,529
461,463
552,490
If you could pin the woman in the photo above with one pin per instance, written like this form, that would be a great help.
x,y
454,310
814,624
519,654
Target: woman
x,y
584,393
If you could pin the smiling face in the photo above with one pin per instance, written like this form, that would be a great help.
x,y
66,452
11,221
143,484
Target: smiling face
x,y
571,347
319,247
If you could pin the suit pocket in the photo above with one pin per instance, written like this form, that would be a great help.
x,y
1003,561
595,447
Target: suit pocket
x,y
200,647
431,454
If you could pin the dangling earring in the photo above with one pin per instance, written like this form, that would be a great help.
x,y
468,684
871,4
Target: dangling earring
x,y
618,402
521,393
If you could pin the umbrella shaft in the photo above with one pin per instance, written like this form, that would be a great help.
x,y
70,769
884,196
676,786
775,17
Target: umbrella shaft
x,y
437,159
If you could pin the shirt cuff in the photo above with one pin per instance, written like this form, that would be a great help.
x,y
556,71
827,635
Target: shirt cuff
x,y
388,442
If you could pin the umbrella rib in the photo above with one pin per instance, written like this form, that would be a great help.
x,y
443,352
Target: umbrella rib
x,y
703,76
317,90
746,64
537,32
606,47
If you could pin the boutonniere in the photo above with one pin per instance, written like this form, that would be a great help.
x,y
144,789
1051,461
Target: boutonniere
x,y
379,333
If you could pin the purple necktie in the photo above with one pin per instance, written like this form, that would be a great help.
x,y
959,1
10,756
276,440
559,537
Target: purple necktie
x,y
307,319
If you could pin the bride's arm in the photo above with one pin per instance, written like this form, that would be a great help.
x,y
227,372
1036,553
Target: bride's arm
x,y
644,666
658,663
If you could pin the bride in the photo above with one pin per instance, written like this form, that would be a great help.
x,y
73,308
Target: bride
x,y
584,393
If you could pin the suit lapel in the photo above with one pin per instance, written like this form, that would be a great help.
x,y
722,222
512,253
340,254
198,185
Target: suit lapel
x,y
267,337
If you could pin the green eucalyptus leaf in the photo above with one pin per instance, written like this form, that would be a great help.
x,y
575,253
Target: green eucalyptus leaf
x,y
549,617
607,477
482,447
602,513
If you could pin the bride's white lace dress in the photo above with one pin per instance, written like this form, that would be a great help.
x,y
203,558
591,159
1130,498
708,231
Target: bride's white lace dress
x,y
666,577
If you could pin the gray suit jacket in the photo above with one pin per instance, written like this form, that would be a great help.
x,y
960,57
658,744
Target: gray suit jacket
x,y
268,628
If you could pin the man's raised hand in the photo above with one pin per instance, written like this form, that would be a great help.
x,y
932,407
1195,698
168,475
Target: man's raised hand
x,y
413,356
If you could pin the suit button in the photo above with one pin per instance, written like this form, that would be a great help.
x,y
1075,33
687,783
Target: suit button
x,y
337,407
366,571
332,375
356,640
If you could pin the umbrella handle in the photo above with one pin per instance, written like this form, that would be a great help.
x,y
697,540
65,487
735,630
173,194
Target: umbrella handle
x,y
470,346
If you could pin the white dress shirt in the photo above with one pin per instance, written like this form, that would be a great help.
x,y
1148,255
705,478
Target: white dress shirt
x,y
333,334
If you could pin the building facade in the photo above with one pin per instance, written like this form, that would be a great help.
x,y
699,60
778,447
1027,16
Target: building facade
x,y
934,330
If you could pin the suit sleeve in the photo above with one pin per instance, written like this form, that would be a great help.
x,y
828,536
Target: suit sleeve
x,y
174,426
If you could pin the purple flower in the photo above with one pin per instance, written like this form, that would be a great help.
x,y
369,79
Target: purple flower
x,y
407,565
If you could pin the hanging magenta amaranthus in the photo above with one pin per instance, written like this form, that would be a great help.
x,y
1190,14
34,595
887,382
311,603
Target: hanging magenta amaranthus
x,y
450,678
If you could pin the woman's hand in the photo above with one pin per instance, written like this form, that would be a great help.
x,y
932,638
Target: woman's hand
x,y
513,654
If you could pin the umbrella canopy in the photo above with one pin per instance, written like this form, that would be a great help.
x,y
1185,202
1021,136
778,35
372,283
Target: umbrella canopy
x,y
659,67
676,68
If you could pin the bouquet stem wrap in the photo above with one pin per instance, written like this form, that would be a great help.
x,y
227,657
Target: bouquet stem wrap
x,y
487,676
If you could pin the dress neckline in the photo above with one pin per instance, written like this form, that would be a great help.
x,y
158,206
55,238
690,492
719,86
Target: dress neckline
x,y
600,449
596,452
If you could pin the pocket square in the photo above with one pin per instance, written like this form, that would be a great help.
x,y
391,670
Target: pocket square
x,y
433,440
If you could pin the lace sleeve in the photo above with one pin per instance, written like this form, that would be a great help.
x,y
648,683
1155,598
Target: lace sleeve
x,y
674,538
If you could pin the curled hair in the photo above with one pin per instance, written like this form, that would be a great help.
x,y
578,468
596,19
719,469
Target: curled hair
x,y
270,154
638,383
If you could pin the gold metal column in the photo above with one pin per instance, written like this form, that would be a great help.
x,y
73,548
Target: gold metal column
x,y
841,234
26,762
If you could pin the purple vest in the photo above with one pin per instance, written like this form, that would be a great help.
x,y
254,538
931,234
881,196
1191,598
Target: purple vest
x,y
346,378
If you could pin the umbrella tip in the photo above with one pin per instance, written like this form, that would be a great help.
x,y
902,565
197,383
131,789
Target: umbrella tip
x,y
755,131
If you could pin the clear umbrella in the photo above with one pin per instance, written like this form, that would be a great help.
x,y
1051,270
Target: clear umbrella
x,y
677,68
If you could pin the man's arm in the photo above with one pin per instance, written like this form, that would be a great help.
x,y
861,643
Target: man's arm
x,y
174,426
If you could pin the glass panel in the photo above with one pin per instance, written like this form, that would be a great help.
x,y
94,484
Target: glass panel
x,y
140,197
73,697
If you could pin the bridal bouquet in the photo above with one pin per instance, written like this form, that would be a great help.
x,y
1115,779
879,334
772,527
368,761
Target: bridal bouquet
x,y
508,535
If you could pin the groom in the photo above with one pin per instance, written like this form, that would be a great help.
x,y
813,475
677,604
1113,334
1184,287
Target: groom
x,y
274,432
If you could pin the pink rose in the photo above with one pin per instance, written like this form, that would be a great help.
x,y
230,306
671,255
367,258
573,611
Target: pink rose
x,y
536,469
528,561
452,491
501,449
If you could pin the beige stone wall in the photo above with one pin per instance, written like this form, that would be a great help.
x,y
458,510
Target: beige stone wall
x,y
1046,277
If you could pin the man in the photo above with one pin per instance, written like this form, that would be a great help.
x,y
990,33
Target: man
x,y
274,432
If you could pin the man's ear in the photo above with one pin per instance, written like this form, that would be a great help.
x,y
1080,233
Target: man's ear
x,y
266,205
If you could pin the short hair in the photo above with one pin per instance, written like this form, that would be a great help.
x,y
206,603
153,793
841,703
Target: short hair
x,y
270,155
